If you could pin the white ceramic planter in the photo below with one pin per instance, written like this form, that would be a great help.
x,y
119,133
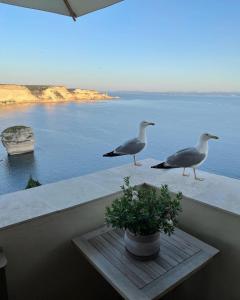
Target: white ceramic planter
x,y
142,246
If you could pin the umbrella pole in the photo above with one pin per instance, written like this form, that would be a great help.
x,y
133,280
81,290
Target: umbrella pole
x,y
71,12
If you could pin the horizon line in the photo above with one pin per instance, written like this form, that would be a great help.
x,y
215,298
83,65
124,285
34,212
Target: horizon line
x,y
131,91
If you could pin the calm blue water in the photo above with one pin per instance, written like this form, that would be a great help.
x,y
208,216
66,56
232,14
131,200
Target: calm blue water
x,y
71,137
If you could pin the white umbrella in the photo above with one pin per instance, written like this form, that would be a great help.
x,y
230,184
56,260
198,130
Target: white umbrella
x,y
72,8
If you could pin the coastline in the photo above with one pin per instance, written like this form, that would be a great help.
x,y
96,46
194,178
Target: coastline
x,y
11,94
49,101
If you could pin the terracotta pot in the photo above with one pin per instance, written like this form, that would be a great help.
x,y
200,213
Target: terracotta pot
x,y
142,247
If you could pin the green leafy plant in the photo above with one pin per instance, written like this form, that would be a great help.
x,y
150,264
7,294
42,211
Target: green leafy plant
x,y
32,183
144,210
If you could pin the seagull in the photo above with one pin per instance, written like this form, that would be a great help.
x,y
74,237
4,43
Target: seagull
x,y
189,157
133,146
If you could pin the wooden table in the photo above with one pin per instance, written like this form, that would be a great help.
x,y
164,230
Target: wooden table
x,y
180,256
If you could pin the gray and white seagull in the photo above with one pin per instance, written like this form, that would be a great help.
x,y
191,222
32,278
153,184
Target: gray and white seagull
x,y
133,146
189,157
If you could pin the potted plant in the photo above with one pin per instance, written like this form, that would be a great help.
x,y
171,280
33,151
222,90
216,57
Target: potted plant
x,y
143,213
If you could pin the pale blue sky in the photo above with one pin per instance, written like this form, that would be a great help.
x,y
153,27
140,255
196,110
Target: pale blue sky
x,y
145,45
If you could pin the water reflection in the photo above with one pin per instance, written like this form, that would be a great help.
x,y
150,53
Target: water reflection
x,y
18,169
9,109
24,162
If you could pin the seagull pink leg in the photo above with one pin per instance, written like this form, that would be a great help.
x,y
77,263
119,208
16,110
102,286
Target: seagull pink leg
x,y
136,163
184,174
195,176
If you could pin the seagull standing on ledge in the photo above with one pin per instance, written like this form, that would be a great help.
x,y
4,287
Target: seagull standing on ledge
x,y
189,157
133,146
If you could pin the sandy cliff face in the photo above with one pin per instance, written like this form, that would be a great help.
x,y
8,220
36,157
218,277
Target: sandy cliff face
x,y
89,95
11,94
56,93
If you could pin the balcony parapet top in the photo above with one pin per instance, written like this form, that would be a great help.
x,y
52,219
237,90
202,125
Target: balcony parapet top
x,y
217,191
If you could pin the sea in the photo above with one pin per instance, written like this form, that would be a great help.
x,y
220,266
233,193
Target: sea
x,y
71,137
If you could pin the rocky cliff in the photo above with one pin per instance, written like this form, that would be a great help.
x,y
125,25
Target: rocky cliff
x,y
14,94
18,140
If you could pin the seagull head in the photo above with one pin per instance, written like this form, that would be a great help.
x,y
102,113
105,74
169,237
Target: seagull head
x,y
146,123
208,136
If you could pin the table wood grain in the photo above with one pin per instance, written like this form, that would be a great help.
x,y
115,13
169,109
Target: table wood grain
x,y
180,256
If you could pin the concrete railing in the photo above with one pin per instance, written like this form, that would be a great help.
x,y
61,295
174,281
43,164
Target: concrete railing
x,y
37,227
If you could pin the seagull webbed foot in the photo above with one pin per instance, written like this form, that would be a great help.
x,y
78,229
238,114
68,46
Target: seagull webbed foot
x,y
199,179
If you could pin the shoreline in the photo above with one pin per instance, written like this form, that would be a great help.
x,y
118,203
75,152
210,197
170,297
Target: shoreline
x,y
12,94
50,101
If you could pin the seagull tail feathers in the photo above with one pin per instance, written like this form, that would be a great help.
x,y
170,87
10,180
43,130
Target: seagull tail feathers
x,y
162,165
111,154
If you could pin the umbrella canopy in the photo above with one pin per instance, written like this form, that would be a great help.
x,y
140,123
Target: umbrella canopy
x,y
73,8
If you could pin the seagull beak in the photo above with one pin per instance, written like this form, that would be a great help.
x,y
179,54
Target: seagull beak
x,y
214,137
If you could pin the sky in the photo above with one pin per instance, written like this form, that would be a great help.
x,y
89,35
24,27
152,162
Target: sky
x,y
135,45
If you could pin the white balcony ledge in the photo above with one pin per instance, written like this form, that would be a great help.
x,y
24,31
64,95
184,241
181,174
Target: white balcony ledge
x,y
217,191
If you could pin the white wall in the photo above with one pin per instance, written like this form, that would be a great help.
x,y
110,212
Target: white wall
x,y
44,264
220,278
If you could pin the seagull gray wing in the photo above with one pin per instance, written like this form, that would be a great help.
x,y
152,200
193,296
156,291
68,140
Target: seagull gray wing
x,y
132,147
185,158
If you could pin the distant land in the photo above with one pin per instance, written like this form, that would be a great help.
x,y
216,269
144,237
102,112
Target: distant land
x,y
20,94
180,93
